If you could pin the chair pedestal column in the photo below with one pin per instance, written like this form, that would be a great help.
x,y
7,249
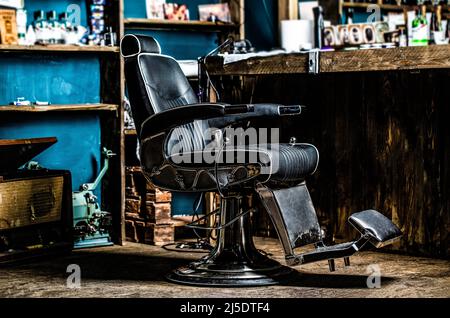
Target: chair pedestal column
x,y
235,261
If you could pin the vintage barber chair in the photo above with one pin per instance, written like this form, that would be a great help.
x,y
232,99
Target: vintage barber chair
x,y
172,125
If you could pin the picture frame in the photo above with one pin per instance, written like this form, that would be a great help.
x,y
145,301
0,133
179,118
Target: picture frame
x,y
155,9
219,12
176,12
8,27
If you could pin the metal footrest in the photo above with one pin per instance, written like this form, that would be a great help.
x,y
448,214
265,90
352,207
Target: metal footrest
x,y
322,252
295,220
378,228
374,227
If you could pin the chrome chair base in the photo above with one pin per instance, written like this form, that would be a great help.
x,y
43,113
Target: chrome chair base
x,y
235,261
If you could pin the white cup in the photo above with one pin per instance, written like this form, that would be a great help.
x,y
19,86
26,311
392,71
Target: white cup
x,y
439,37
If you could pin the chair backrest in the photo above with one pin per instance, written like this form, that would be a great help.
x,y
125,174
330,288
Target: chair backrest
x,y
155,83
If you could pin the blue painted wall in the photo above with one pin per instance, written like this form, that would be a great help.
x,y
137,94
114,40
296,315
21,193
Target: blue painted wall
x,y
359,16
183,203
59,79
261,23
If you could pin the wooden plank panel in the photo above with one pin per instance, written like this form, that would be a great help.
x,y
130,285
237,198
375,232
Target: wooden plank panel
x,y
280,64
407,58
122,235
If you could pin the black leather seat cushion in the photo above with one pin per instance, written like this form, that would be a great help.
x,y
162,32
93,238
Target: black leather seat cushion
x,y
288,162
295,162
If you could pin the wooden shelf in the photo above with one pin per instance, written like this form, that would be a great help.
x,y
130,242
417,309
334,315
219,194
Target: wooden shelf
x,y
395,59
58,48
179,25
59,108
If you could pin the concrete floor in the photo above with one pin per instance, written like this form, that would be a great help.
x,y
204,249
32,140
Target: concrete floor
x,y
138,270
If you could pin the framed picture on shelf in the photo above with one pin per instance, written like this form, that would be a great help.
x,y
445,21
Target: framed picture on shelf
x,y
219,12
155,9
174,11
8,27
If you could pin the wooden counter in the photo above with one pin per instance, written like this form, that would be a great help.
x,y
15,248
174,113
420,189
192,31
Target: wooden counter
x,y
383,134
405,58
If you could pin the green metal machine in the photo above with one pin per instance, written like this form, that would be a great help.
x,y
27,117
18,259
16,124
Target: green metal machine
x,y
92,226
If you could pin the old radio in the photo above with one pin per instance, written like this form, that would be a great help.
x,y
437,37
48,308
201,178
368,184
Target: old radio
x,y
35,203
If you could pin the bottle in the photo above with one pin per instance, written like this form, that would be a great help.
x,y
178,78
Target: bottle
x,y
64,27
30,37
110,37
448,28
21,18
420,28
402,38
350,14
318,26
41,27
54,33
436,24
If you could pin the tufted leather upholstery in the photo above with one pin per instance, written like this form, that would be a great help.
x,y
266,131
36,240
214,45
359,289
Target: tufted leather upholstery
x,y
156,85
295,162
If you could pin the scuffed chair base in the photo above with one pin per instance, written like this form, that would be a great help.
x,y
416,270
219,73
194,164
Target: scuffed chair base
x,y
265,273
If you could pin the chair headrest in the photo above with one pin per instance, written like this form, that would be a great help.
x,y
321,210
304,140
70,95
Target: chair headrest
x,y
132,45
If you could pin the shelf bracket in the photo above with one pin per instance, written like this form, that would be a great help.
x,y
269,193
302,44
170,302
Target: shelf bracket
x,y
314,62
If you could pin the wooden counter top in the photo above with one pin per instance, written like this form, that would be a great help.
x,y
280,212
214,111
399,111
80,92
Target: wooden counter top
x,y
405,58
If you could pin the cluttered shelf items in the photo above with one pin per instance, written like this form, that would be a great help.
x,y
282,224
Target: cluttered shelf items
x,y
368,25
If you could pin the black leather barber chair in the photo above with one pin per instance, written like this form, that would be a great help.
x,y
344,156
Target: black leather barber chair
x,y
176,133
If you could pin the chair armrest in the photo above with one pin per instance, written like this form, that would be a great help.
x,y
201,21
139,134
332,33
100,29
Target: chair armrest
x,y
274,110
261,111
178,116
222,115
